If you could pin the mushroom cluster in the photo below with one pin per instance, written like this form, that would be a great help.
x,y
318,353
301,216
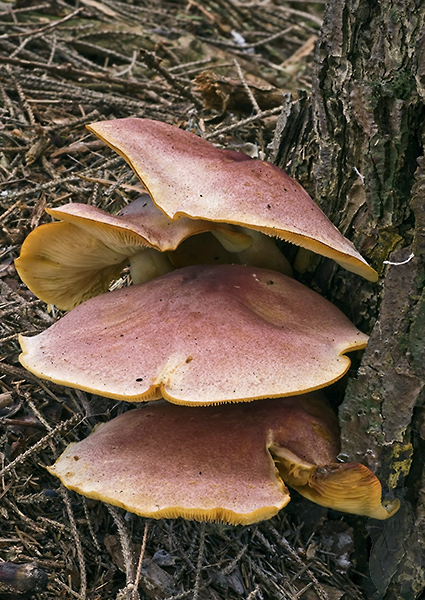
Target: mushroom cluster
x,y
214,317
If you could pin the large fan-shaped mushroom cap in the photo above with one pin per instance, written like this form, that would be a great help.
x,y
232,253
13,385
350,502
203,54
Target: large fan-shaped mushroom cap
x,y
217,463
188,176
199,335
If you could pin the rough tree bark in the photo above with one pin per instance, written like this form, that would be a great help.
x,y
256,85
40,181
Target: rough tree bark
x,y
357,145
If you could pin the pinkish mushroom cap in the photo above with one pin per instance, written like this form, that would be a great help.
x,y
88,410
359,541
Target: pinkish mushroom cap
x,y
217,463
189,177
198,335
70,261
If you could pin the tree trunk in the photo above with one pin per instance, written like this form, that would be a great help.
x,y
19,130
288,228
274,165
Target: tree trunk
x,y
356,144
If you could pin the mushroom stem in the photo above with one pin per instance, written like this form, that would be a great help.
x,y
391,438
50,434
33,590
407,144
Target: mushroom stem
x,y
253,248
148,264
303,260
233,241
264,253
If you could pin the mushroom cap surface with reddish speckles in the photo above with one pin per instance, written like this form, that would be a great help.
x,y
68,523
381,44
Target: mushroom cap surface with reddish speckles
x,y
217,463
201,334
187,176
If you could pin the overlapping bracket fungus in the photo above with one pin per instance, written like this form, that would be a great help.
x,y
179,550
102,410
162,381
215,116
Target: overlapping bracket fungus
x,y
198,335
187,176
220,463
